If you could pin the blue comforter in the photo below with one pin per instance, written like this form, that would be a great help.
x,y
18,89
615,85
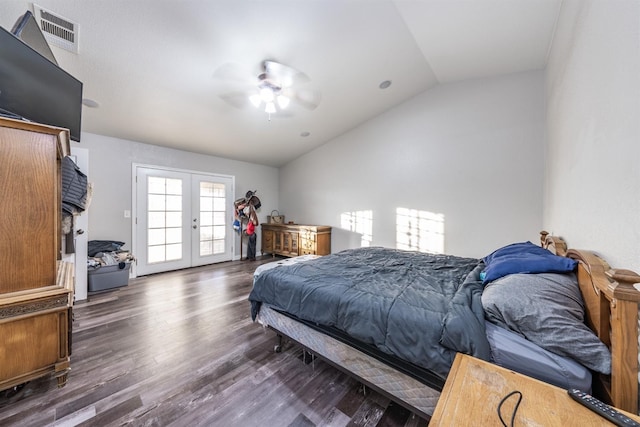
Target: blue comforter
x,y
422,308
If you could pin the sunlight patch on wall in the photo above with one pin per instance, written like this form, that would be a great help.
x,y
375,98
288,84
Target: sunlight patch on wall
x,y
359,222
418,230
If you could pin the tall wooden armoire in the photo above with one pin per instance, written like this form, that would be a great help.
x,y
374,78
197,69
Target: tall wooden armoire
x,y
36,288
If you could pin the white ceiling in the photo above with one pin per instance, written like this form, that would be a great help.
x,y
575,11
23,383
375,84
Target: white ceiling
x,y
154,65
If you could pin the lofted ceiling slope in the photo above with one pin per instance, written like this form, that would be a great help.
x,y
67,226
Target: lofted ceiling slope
x,y
159,69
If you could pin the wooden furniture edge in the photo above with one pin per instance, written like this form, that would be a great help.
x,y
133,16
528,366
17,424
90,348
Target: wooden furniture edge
x,y
611,311
64,285
486,383
447,389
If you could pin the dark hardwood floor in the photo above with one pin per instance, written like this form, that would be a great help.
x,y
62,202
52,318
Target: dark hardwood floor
x,y
180,349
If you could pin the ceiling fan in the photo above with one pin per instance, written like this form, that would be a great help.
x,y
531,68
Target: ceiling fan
x,y
275,88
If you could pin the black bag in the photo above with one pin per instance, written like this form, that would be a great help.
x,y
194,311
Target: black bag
x,y
97,246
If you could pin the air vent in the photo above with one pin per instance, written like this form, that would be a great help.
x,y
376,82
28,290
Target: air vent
x,y
58,31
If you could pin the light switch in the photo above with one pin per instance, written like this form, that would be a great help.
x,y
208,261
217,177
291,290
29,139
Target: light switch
x,y
127,214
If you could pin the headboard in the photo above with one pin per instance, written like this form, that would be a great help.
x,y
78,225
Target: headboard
x,y
611,305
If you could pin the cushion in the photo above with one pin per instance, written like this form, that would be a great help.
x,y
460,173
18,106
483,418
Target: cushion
x,y
548,310
524,258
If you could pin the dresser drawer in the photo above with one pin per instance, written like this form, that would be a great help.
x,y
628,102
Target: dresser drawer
x,y
308,234
307,244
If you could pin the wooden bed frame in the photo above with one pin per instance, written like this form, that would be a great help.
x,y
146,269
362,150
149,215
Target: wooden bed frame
x,y
611,304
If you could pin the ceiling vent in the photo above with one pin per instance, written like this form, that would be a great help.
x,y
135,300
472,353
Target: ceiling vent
x,y
58,31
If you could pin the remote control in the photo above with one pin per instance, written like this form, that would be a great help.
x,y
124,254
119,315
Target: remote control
x,y
602,409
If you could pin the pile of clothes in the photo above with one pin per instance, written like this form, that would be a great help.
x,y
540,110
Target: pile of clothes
x,y
245,211
107,252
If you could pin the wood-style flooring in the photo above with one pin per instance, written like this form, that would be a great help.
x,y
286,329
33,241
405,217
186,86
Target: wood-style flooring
x,y
180,349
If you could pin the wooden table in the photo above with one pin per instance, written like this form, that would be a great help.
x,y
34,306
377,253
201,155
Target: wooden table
x,y
474,389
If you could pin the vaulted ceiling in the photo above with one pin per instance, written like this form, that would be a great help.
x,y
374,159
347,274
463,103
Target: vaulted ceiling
x,y
162,71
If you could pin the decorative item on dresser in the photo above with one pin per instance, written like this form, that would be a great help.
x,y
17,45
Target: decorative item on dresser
x,y
36,288
275,219
296,239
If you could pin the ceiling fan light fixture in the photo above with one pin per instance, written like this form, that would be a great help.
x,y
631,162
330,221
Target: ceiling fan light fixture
x,y
266,94
273,91
270,108
283,101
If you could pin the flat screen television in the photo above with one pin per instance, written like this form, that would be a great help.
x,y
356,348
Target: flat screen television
x,y
34,88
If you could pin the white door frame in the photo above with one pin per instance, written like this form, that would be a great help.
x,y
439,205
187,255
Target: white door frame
x,y
81,233
134,207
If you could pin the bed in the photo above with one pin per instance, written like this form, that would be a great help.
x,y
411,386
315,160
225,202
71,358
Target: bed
x,y
395,319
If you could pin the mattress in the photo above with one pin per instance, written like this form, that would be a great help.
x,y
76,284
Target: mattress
x,y
422,308
514,352
507,349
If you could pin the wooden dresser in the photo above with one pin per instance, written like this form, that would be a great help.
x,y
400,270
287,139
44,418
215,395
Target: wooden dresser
x,y
295,239
36,288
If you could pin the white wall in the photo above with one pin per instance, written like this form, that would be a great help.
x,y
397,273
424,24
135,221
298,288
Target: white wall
x,y
472,151
110,161
593,115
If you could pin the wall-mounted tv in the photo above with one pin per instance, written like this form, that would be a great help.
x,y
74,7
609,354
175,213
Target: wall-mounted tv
x,y
34,88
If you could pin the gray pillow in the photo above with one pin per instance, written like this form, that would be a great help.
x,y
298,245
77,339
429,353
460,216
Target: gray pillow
x,y
547,309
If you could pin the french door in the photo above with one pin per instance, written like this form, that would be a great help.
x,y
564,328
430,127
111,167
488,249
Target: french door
x,y
182,219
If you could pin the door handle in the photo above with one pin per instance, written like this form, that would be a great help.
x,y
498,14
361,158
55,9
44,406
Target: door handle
x,y
194,226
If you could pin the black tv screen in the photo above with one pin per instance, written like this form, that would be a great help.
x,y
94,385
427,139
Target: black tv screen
x,y
34,88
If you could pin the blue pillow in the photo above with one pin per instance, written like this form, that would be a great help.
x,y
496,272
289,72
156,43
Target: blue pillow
x,y
524,258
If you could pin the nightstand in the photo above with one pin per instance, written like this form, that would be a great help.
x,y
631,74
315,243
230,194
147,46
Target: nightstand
x,y
474,389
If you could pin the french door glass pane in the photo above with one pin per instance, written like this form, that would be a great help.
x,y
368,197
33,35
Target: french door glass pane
x,y
206,220
157,202
174,219
206,203
164,220
206,234
219,232
156,237
156,219
218,246
206,247
212,218
174,235
174,252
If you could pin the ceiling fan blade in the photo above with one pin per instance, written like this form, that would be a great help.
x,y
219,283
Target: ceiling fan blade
x,y
287,76
238,100
234,72
307,98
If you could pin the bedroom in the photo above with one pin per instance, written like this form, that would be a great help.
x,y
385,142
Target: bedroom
x,y
575,123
